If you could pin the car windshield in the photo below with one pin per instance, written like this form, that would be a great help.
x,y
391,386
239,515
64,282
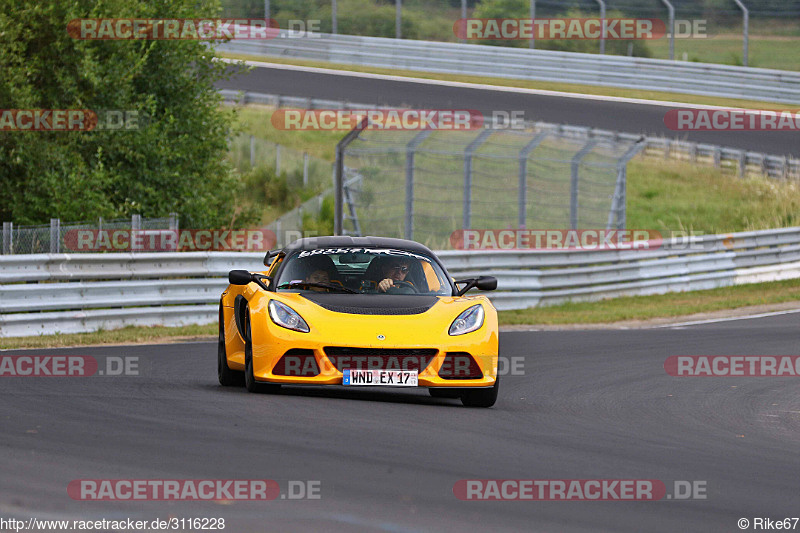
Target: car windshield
x,y
363,271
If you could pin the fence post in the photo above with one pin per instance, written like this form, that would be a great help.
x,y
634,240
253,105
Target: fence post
x,y
55,236
671,11
619,205
338,176
467,221
136,226
173,222
334,18
745,32
411,147
602,26
398,17
278,159
8,235
523,177
573,187
532,43
305,169
252,152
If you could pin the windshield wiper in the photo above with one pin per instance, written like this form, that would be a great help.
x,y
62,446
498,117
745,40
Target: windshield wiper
x,y
294,284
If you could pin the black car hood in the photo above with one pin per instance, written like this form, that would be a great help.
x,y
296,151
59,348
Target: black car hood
x,y
372,304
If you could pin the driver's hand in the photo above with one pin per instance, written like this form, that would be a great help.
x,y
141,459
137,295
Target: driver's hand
x,y
385,285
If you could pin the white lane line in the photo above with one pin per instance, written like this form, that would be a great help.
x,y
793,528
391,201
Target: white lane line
x,y
726,319
478,86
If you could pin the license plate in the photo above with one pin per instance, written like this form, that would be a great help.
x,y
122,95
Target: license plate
x,y
392,378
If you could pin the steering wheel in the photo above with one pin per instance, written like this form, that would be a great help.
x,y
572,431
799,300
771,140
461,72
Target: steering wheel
x,y
403,286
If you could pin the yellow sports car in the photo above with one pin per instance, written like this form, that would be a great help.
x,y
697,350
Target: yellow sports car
x,y
359,311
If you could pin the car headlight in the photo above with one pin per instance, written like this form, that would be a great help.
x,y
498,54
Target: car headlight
x,y
286,317
468,321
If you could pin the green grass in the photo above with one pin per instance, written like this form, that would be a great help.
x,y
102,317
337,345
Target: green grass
x,y
127,335
525,84
657,306
775,52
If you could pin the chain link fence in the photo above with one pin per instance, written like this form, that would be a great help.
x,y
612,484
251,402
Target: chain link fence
x,y
425,185
56,237
302,170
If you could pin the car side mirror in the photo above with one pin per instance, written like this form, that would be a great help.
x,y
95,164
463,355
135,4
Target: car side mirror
x,y
243,277
483,283
486,283
239,277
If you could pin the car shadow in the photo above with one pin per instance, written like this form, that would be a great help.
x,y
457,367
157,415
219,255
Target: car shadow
x,y
337,392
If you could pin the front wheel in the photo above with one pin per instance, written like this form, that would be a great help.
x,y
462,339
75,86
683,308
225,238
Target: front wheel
x,y
250,382
481,397
226,376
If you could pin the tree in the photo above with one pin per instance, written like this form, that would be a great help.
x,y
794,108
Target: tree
x,y
174,161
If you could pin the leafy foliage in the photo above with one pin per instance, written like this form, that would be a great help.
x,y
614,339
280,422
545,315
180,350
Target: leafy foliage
x,y
173,162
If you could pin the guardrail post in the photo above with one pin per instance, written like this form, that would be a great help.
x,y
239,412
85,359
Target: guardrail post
x,y
55,236
467,220
671,10
717,156
602,26
8,236
745,31
573,187
411,148
523,177
742,163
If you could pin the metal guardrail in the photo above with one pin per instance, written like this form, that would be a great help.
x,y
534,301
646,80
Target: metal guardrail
x,y
517,63
743,162
87,292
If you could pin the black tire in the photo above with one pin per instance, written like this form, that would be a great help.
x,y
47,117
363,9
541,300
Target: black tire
x,y
445,392
250,382
481,397
227,377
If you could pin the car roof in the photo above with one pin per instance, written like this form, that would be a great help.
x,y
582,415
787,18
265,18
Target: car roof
x,y
313,243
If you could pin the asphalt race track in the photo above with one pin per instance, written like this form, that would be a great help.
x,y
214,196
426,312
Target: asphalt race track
x,y
609,115
588,405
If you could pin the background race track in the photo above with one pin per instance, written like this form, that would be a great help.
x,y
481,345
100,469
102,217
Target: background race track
x,y
575,110
590,405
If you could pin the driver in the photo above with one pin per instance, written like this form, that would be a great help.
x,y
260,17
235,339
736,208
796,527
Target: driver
x,y
394,270
318,276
